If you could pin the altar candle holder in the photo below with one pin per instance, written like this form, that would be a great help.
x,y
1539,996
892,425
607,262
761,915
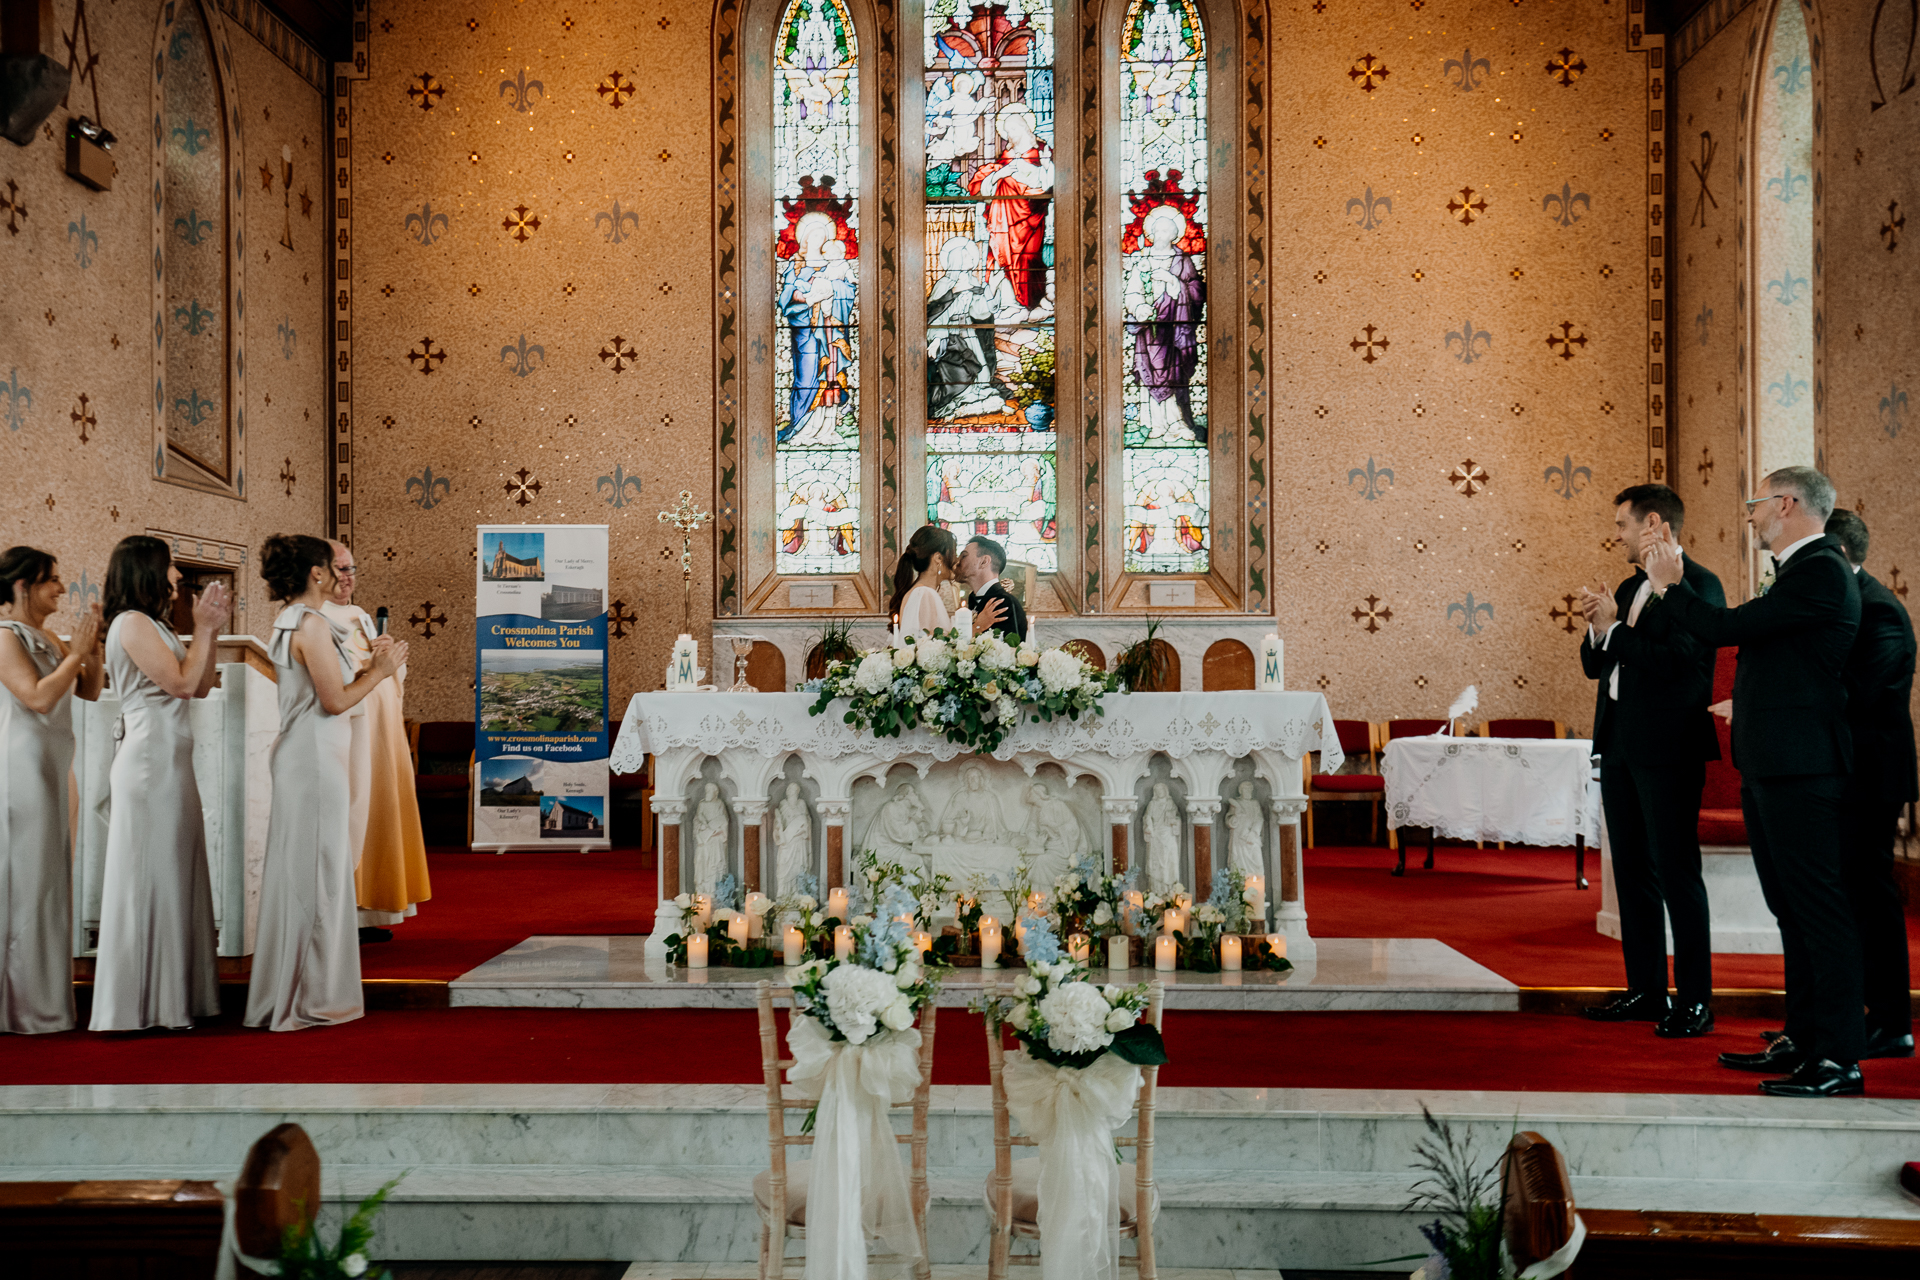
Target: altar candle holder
x,y
1119,952
842,941
837,904
697,951
1079,947
702,910
1278,942
1230,953
1163,954
793,946
989,943
737,930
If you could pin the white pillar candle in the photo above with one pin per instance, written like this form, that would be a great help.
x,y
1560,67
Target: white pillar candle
x,y
702,910
989,943
1137,900
1163,953
1230,953
1118,956
1277,941
837,903
1170,920
842,941
922,942
1257,886
737,929
1079,946
794,945
697,951
1020,929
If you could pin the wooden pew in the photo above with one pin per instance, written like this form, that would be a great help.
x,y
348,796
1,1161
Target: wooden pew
x,y
147,1230
1654,1244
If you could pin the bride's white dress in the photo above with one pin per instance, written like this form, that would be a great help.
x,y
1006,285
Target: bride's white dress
x,y
922,611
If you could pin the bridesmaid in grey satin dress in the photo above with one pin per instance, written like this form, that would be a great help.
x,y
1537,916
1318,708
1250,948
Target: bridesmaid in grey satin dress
x,y
41,675
306,959
156,964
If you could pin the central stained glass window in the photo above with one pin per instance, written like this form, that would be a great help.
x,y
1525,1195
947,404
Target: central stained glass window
x,y
990,281
1163,267
816,149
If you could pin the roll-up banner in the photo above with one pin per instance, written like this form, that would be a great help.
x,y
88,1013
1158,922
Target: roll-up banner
x,y
540,740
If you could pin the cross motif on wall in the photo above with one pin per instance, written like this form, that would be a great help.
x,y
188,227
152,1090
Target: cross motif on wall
x,y
11,205
1367,347
424,620
619,618
287,477
1565,617
426,356
1373,614
618,353
1889,230
615,90
1705,466
1367,73
520,224
83,418
426,92
1566,340
523,488
1701,169
1469,477
1565,67
1466,206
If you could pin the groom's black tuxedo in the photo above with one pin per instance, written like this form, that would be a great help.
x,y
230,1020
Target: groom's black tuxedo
x,y
1015,622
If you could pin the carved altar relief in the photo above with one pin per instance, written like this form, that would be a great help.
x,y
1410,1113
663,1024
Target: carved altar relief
x,y
976,817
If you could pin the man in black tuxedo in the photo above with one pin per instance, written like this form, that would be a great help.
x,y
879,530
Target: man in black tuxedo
x,y
1879,678
979,565
1794,751
1654,735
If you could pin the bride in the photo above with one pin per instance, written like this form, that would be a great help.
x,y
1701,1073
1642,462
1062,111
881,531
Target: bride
x,y
916,607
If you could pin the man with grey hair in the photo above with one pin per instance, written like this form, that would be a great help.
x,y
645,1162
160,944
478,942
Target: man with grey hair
x,y
1792,746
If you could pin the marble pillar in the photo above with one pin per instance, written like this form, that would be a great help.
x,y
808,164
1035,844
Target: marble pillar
x,y
1118,811
1201,811
833,820
668,811
1290,913
751,813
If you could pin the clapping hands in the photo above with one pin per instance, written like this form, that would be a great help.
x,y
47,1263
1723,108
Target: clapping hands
x,y
1660,554
86,632
389,655
1599,608
210,607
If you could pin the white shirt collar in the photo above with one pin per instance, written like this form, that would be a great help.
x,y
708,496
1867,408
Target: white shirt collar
x,y
1780,557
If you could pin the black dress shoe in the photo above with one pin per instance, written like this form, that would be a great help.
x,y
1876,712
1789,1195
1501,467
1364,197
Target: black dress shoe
x,y
1819,1078
369,933
1885,1044
1771,1036
1685,1020
1779,1055
1629,1006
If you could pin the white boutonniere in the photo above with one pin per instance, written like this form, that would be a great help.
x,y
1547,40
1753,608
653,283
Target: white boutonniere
x,y
1766,577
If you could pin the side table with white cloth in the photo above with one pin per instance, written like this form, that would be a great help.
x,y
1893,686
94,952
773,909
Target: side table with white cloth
x,y
725,764
1520,790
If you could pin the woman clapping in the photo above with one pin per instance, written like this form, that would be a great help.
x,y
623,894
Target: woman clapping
x,y
41,676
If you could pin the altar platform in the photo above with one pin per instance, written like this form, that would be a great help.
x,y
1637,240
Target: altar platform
x,y
1350,974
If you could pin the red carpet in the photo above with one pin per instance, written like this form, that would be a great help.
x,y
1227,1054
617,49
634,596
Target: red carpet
x,y
1256,1050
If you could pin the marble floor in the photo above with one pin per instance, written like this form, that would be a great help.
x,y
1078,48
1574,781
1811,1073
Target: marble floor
x,y
614,972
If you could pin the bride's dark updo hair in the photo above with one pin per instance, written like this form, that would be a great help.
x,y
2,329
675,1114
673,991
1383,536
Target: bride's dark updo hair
x,y
287,561
927,540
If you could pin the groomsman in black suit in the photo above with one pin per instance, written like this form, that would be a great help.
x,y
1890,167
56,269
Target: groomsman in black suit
x,y
1879,678
1654,735
1794,751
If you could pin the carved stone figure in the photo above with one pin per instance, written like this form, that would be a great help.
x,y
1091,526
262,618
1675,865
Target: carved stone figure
x,y
1057,838
1161,827
709,841
792,839
973,815
1245,852
901,823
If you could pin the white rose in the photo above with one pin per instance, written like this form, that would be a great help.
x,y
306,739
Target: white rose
x,y
1119,1020
723,914
875,673
1029,985
899,1015
903,656
909,975
806,902
1027,658
931,655
354,1264
1019,1016
966,667
1103,914
683,901
995,654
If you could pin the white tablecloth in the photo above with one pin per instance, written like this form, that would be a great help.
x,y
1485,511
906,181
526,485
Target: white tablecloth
x,y
1179,724
1521,790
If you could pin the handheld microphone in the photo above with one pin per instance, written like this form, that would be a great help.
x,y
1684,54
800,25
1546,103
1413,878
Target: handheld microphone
x,y
380,621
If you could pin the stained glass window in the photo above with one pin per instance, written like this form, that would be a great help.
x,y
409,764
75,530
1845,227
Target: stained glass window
x,y
816,179
1783,234
1163,266
193,256
990,282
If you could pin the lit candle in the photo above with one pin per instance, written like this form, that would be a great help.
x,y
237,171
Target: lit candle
x,y
989,943
842,941
1079,946
922,942
794,945
737,929
1118,956
1230,953
702,910
1277,941
1136,899
1257,886
837,903
1020,929
1163,953
697,951
1170,920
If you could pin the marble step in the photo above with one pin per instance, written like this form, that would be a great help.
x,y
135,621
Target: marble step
x,y
704,1214
1201,1132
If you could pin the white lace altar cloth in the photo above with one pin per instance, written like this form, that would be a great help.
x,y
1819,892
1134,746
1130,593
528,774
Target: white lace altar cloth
x,y
1179,724
1521,790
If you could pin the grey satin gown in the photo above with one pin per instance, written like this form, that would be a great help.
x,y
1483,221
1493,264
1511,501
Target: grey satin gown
x,y
156,965
306,958
36,863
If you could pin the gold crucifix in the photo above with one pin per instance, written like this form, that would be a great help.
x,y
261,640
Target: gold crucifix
x,y
686,518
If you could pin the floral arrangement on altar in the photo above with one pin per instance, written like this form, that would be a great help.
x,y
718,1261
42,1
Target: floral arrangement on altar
x,y
881,987
972,690
1066,1021
1227,910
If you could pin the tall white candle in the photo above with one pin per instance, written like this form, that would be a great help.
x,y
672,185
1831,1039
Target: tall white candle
x,y
1230,953
697,951
737,929
922,942
793,947
1118,956
837,903
989,943
1079,946
842,941
1163,953
702,910
1278,941
1170,920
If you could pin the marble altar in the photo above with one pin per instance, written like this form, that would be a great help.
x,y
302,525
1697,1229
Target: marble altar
x,y
1052,793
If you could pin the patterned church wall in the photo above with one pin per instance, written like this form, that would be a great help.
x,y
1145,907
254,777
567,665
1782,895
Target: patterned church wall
x,y
76,272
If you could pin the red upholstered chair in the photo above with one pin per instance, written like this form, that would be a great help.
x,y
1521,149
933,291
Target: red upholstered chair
x,y
1523,729
1357,742
1721,819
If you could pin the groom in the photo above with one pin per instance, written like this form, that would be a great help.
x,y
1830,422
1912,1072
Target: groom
x,y
979,565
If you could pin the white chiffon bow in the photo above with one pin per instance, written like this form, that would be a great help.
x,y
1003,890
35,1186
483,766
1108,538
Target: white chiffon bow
x,y
1072,1114
857,1189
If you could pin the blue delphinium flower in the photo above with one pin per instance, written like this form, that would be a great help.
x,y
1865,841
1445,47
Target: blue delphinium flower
x,y
813,686
1035,689
902,687
727,892
1039,946
950,707
808,885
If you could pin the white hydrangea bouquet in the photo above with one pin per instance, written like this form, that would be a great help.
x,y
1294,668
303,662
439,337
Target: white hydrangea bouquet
x,y
881,987
1065,1020
971,690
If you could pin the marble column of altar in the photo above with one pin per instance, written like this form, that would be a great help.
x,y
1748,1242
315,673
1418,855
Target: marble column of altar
x,y
668,810
1290,913
751,812
833,823
1201,811
1118,811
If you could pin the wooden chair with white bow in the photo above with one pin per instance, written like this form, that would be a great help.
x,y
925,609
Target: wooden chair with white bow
x,y
780,1192
1013,1188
